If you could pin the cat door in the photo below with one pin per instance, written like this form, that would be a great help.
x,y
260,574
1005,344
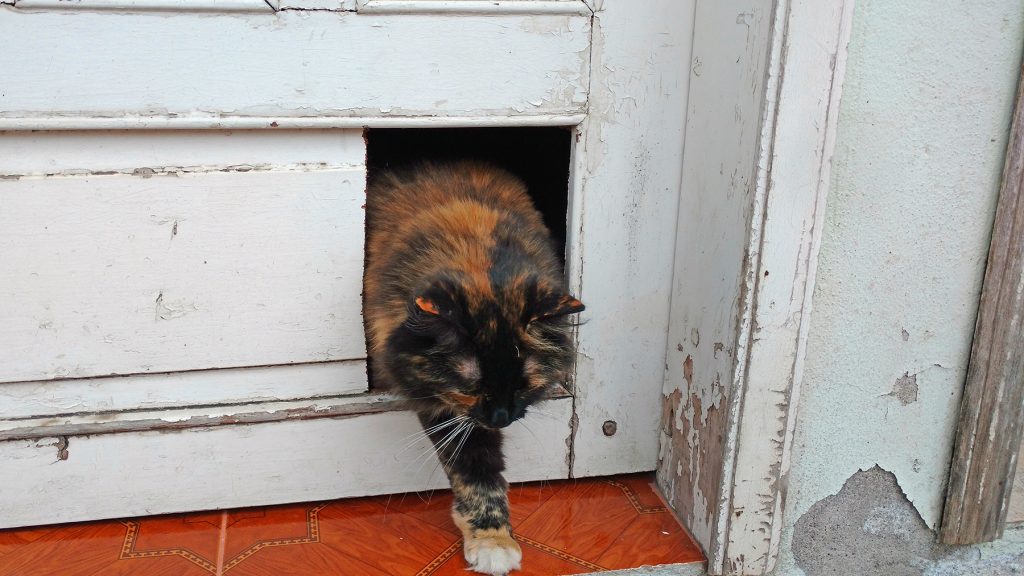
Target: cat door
x,y
538,156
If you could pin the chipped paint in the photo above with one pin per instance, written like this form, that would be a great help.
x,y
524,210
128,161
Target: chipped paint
x,y
688,425
151,171
631,141
905,389
771,144
62,448
870,528
170,309
896,304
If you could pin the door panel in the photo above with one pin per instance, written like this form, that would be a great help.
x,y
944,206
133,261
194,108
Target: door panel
x,y
289,64
266,6
183,308
170,151
82,396
114,475
121,274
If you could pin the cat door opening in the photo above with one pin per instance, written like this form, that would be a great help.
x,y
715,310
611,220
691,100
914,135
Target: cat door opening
x,y
539,156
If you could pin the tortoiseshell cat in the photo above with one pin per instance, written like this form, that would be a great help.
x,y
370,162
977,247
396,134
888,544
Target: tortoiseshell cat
x,y
466,319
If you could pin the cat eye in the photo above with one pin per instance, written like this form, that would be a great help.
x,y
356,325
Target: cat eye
x,y
427,306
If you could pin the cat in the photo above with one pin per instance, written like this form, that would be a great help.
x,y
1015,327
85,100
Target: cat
x,y
466,316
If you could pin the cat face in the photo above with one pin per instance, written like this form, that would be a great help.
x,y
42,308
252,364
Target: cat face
x,y
473,349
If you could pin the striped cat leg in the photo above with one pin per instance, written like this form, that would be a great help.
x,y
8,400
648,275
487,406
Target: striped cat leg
x,y
474,462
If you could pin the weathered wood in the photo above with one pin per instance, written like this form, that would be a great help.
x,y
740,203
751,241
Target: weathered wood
x,y
621,226
741,302
294,460
569,7
267,6
154,419
727,92
284,227
129,274
203,121
992,411
172,390
165,419
293,64
335,5
164,151
801,117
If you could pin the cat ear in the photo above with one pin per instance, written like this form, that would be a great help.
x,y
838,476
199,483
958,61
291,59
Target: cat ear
x,y
562,306
427,306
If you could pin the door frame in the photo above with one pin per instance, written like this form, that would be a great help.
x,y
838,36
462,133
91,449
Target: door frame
x,y
991,419
764,109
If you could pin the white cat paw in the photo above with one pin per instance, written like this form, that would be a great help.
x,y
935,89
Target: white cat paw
x,y
496,556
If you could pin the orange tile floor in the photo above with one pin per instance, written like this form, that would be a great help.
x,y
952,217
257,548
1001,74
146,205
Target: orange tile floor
x,y
564,527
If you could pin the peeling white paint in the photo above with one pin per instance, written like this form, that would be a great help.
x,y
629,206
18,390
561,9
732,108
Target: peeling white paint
x,y
228,6
630,143
215,467
920,148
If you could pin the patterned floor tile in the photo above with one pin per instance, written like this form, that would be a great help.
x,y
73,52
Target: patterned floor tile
x,y
563,527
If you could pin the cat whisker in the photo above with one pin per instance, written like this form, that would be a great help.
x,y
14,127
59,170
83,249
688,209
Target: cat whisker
x,y
415,437
425,454
427,397
544,414
439,450
441,444
444,424
448,437
462,442
530,430
458,448
467,430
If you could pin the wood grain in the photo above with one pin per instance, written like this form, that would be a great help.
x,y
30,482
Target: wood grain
x,y
991,413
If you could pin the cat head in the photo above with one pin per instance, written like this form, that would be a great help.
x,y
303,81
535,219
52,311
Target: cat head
x,y
471,349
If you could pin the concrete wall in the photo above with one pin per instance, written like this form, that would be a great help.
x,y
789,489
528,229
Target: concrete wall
x,y
923,126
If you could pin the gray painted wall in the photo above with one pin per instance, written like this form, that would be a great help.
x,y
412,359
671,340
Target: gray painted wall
x,y
922,130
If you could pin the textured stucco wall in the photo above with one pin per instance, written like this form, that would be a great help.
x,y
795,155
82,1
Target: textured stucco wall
x,y
922,129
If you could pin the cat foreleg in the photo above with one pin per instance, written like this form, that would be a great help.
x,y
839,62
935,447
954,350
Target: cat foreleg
x,y
480,509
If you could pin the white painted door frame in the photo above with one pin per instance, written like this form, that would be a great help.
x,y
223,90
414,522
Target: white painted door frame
x,y
761,129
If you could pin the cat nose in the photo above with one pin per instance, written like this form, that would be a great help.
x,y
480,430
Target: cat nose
x,y
500,418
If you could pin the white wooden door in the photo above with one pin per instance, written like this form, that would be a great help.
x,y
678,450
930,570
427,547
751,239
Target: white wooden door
x,y
181,238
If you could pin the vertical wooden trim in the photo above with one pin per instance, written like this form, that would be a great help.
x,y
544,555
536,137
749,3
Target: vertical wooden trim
x,y
805,75
762,111
991,413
